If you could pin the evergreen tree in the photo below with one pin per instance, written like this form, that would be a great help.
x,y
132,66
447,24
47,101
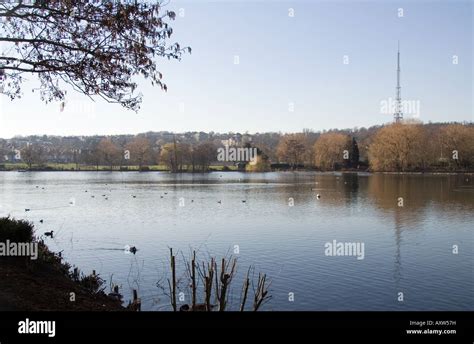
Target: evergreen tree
x,y
354,155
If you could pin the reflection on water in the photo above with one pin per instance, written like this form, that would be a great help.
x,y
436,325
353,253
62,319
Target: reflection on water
x,y
408,248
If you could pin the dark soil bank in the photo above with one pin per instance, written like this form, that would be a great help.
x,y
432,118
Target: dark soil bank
x,y
27,288
45,284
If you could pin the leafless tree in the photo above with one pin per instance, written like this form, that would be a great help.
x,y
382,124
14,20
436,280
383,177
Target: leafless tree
x,y
292,149
140,151
32,154
109,153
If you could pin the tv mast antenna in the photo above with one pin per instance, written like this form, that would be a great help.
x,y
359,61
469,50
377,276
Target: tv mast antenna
x,y
398,115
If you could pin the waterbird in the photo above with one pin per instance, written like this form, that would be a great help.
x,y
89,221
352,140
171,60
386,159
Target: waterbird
x,y
161,196
93,196
134,196
166,193
41,221
244,201
49,234
318,196
27,209
219,202
133,249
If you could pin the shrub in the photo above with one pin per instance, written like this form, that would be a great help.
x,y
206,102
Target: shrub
x,y
93,283
15,230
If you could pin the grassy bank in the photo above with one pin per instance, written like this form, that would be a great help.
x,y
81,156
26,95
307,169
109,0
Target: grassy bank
x,y
57,167
73,167
47,282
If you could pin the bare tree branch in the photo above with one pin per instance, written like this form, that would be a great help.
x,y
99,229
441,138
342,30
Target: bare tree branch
x,y
98,48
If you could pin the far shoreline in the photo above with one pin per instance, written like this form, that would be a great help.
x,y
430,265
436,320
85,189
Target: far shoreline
x,y
246,172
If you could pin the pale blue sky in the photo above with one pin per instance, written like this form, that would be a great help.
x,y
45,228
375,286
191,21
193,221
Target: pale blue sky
x,y
284,60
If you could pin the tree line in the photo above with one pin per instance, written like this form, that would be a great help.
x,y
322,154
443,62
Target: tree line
x,y
407,146
400,147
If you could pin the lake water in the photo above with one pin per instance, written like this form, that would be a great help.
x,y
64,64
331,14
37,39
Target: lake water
x,y
407,249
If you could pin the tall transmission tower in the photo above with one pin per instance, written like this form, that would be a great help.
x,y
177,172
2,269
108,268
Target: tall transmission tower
x,y
398,115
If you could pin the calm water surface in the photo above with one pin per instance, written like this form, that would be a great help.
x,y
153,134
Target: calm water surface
x,y
408,249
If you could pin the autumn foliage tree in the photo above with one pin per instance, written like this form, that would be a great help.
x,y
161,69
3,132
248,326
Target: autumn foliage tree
x,y
398,147
261,163
332,150
457,142
175,156
96,47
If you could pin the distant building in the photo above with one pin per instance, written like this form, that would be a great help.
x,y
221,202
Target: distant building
x,y
230,142
201,136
